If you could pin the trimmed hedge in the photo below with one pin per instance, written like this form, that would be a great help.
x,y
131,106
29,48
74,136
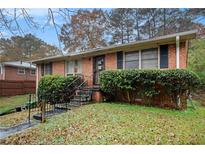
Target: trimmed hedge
x,y
148,83
53,88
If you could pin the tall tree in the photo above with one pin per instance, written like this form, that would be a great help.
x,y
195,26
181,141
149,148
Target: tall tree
x,y
121,25
138,20
86,30
28,47
196,57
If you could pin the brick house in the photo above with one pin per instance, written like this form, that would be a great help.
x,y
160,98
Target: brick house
x,y
17,71
164,52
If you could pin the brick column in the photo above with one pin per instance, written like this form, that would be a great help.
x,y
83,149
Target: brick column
x,y
110,61
87,69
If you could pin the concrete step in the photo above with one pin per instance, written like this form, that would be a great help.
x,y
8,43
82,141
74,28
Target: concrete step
x,y
74,104
78,98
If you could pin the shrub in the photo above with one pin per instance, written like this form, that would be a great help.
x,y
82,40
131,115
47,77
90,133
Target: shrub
x,y
52,88
148,83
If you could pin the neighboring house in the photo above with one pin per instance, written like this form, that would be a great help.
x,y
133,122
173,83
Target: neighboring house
x,y
17,71
165,52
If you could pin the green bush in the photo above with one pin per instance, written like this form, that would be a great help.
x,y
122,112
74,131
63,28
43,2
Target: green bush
x,y
53,88
148,83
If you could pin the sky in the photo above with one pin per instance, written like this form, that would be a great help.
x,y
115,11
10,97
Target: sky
x,y
45,31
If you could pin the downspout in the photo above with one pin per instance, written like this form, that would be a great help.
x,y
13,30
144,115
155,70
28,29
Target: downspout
x,y
187,52
177,51
64,68
37,82
178,64
4,72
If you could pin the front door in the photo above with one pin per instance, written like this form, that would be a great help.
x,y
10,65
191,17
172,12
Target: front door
x,y
98,66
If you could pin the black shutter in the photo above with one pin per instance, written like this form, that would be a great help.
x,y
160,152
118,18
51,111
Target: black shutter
x,y
42,69
163,56
120,60
50,68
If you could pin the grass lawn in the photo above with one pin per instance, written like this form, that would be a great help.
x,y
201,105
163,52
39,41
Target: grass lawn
x,y
10,102
105,123
15,118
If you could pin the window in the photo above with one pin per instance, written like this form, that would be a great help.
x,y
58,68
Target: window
x,y
33,72
42,69
21,71
70,68
74,67
76,63
132,59
46,69
149,58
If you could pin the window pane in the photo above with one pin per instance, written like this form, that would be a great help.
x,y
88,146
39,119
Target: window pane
x,y
33,72
76,63
74,67
48,68
79,67
150,58
42,69
21,71
129,56
132,59
132,64
70,67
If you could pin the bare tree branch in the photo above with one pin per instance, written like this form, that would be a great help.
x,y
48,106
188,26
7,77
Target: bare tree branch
x,y
51,17
5,22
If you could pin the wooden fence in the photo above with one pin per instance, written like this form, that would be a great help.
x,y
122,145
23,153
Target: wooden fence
x,y
11,88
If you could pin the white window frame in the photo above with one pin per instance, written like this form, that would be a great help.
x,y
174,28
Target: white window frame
x,y
20,73
67,67
140,57
124,58
158,56
73,72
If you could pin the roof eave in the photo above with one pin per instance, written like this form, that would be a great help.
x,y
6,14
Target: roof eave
x,y
188,35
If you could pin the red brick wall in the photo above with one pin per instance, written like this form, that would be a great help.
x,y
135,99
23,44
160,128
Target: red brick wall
x,y
58,68
87,69
110,61
11,74
97,96
172,56
183,56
